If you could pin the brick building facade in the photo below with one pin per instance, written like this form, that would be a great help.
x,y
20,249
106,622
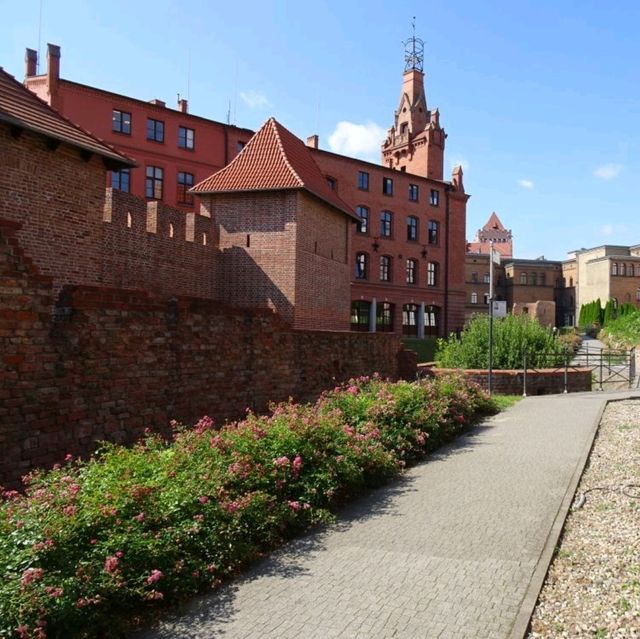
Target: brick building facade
x,y
173,148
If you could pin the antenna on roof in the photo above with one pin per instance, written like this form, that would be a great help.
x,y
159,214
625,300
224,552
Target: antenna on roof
x,y
39,39
235,95
229,112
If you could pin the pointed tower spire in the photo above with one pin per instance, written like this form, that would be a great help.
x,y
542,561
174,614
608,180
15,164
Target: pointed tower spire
x,y
415,142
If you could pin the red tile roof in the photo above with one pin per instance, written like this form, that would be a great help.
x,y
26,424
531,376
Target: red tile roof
x,y
274,159
21,108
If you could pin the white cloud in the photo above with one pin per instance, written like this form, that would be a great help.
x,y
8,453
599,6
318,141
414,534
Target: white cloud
x,y
607,229
458,160
526,184
254,99
359,140
608,171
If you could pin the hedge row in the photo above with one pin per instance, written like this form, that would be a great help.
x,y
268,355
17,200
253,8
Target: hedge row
x,y
90,545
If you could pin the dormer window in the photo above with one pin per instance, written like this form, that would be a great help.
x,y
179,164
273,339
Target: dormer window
x,y
404,128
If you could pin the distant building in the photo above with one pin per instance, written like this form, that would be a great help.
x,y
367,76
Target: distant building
x,y
493,231
173,148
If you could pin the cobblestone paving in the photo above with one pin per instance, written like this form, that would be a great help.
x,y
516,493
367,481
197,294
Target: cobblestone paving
x,y
446,552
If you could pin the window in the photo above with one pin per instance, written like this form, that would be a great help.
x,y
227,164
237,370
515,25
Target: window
x,y
474,276
386,221
363,214
614,268
486,279
432,236
387,186
432,274
384,317
523,278
412,228
534,279
434,198
186,138
331,182
410,319
153,183
637,270
385,268
121,122
155,130
474,298
543,279
623,269
185,182
360,315
363,180
404,128
240,145
638,295
412,271
413,192
362,266
486,299
431,320
570,281
121,180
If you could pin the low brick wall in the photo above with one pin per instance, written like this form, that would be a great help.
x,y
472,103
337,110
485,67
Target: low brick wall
x,y
544,381
104,364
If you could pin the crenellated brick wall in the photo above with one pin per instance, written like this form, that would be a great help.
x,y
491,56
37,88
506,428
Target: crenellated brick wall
x,y
106,363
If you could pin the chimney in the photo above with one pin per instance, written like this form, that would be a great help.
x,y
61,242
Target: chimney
x,y
183,105
157,102
313,141
31,63
53,64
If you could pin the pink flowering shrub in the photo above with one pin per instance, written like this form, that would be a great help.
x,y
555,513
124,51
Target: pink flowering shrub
x,y
91,544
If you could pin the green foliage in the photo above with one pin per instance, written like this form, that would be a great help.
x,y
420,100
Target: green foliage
x,y
512,337
93,543
425,348
591,315
623,332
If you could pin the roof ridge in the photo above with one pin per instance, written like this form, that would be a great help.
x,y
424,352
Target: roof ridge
x,y
283,153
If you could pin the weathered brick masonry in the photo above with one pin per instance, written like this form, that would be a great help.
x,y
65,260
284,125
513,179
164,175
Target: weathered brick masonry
x,y
107,363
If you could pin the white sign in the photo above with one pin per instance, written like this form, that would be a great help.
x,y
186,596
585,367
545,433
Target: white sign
x,y
499,309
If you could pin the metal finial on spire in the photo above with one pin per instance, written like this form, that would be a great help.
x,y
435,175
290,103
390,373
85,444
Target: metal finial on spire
x,y
413,51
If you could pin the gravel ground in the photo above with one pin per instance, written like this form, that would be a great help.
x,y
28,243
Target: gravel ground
x,y
593,585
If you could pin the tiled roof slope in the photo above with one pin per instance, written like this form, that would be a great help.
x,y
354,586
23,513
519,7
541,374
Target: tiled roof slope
x,y
21,108
274,159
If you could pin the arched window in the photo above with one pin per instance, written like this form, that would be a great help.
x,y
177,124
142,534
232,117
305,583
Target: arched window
x,y
385,268
412,228
410,319
432,274
543,279
474,298
432,228
570,282
534,279
623,269
412,271
386,223
384,317
523,278
638,295
614,268
363,214
362,266
360,310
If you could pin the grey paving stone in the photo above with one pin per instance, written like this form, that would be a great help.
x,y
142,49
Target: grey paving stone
x,y
448,551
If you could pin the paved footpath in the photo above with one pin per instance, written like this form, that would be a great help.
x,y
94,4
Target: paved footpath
x,y
457,548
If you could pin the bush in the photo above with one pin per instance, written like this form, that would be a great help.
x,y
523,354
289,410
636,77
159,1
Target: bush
x,y
512,337
623,332
93,543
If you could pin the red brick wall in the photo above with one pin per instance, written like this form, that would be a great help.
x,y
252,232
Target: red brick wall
x,y
323,292
138,250
111,362
59,198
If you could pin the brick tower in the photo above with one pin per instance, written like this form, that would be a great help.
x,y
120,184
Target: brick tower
x,y
415,142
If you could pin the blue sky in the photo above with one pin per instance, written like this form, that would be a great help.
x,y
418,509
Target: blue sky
x,y
540,100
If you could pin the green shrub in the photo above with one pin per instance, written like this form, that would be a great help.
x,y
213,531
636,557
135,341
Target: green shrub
x,y
512,337
623,332
93,543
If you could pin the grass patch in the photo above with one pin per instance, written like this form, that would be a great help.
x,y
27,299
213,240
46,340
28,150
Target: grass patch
x,y
503,402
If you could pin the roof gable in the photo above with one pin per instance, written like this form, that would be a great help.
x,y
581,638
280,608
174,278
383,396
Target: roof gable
x,y
494,224
21,108
274,159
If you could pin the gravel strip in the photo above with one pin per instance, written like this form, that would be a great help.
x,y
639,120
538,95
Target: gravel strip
x,y
592,588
